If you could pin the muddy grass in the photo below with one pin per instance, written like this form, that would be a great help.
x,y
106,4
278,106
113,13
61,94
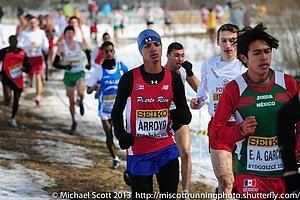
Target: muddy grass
x,y
36,126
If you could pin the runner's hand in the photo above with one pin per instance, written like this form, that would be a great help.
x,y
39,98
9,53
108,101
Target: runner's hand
x,y
188,68
96,87
126,140
196,103
88,67
248,126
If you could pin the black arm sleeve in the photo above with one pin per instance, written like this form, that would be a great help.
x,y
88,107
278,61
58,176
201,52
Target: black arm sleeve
x,y
179,97
26,64
56,63
124,91
288,115
2,54
88,55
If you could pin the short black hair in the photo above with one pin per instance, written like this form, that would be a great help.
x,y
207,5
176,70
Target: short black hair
x,y
227,27
28,16
20,14
174,45
249,35
73,17
12,37
107,43
69,28
105,34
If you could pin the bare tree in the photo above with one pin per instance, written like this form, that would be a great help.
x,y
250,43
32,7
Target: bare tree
x,y
287,17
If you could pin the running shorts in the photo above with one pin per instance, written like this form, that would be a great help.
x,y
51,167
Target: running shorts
x,y
70,79
36,66
117,27
150,163
256,185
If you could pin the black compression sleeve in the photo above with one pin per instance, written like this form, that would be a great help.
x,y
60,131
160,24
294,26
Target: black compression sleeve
x,y
179,97
287,117
26,64
56,63
124,91
3,53
88,55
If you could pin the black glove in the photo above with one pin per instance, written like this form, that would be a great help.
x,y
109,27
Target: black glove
x,y
188,68
126,177
88,66
125,140
292,183
180,117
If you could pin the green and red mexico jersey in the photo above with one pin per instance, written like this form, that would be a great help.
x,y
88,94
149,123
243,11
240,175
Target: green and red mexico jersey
x,y
257,154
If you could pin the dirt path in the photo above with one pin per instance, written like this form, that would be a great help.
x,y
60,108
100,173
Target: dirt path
x,y
55,160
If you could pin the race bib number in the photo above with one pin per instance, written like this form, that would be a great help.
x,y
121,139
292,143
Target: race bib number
x,y
263,154
15,71
73,62
108,103
34,48
152,123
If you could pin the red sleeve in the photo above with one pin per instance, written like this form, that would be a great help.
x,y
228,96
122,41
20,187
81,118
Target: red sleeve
x,y
292,89
221,131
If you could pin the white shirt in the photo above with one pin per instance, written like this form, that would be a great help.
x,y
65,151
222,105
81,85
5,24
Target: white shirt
x,y
94,55
182,74
74,58
215,74
96,76
33,42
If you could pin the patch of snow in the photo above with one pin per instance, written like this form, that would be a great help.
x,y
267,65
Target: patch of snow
x,y
64,153
12,155
22,183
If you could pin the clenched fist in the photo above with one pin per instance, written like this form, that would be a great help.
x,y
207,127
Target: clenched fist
x,y
249,126
196,103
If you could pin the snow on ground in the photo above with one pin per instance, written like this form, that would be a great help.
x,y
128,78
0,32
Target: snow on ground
x,y
12,155
73,155
20,183
131,30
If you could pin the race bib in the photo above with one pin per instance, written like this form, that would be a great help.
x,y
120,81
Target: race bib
x,y
15,71
152,123
263,154
108,103
73,62
34,49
